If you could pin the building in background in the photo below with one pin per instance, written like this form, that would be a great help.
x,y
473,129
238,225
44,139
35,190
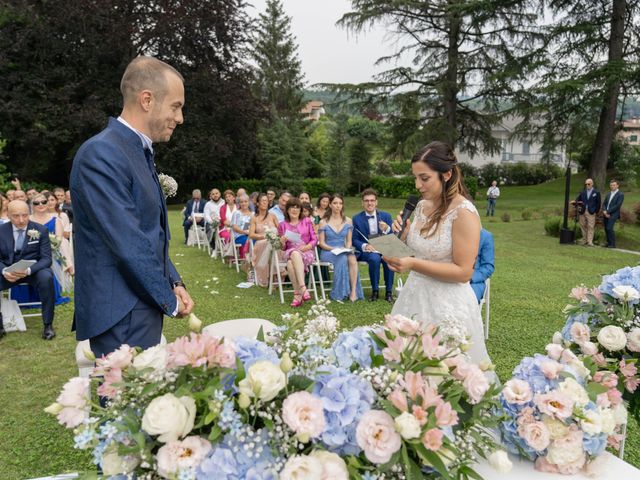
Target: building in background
x,y
313,110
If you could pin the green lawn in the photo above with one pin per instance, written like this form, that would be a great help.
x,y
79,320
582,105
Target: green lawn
x,y
534,274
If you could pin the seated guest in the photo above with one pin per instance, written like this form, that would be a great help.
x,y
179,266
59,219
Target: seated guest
x,y
212,212
21,239
58,192
322,206
240,222
4,209
253,199
271,195
484,267
240,191
368,224
67,207
336,231
304,197
20,195
279,209
307,211
226,212
65,257
261,222
298,253
193,207
10,194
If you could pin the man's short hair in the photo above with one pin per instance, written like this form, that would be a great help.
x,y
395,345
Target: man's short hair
x,y
58,189
614,180
196,192
283,193
368,191
146,73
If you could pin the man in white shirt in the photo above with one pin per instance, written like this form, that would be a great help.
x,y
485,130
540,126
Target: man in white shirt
x,y
212,210
492,195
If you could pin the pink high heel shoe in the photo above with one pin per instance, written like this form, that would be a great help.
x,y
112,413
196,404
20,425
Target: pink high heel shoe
x,y
306,296
297,300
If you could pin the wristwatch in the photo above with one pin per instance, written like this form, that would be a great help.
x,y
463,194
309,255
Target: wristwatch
x,y
179,284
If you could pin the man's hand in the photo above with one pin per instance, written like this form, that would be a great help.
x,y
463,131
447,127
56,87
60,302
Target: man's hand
x,y
16,184
185,303
382,226
14,276
369,248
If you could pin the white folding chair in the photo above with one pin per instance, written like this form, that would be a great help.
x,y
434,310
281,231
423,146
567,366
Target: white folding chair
x,y
37,304
220,244
274,269
485,302
240,327
199,232
321,280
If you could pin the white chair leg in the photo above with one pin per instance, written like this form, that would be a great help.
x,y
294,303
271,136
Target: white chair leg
x,y
487,311
622,443
279,277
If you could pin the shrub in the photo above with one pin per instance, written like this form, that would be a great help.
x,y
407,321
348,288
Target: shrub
x,y
401,167
315,186
394,187
636,210
526,214
469,170
627,217
552,226
506,217
471,183
518,173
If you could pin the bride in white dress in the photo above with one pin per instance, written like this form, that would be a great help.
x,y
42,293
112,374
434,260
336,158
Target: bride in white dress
x,y
444,235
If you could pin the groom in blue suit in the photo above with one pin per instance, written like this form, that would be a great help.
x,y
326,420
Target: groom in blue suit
x,y
21,239
125,281
368,224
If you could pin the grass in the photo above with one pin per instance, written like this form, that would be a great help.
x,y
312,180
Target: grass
x,y
534,274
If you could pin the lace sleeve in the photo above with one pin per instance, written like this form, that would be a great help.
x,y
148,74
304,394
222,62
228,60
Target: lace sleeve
x,y
466,205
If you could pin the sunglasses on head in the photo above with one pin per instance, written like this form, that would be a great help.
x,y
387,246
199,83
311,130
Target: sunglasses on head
x,y
43,202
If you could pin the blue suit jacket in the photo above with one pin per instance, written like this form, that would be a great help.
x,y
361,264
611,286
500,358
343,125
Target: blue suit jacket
x,y
484,266
189,207
361,227
121,232
616,204
37,249
592,205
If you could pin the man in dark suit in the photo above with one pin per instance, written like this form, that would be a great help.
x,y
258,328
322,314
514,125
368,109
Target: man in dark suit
x,y
611,211
194,206
588,205
125,281
368,224
484,267
21,239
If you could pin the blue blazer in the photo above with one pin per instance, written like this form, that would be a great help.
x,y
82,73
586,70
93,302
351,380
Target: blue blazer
x,y
361,227
592,205
121,232
38,249
189,207
484,266
616,204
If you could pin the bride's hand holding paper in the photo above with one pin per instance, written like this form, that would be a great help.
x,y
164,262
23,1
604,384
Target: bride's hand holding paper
x,y
399,264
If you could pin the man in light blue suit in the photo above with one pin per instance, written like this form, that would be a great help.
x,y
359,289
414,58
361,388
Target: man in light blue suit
x,y
367,224
484,266
125,281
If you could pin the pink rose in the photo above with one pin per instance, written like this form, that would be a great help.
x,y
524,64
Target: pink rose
x,y
74,400
580,333
178,455
536,434
432,439
453,362
402,324
554,404
551,369
606,378
376,435
476,385
462,370
303,413
399,400
526,416
445,415
517,391
579,293
554,350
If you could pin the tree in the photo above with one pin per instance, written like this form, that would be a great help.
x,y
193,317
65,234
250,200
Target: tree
x,y
338,162
363,135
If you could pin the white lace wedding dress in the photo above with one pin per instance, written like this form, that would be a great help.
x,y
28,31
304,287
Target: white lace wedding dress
x,y
452,306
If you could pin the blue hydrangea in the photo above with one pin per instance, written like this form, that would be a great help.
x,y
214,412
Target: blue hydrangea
x,y
627,276
594,444
576,318
529,371
229,418
345,398
355,347
250,351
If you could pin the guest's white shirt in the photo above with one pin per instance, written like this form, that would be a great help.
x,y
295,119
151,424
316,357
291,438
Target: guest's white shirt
x,y
611,195
212,210
278,213
493,192
146,141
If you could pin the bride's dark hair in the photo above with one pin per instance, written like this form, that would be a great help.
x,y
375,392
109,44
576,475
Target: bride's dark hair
x,y
441,158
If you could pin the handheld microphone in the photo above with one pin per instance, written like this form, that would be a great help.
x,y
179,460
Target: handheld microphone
x,y
409,207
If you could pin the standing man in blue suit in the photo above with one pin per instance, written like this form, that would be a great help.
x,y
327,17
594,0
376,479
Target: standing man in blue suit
x,y
125,281
194,206
21,239
368,224
484,267
611,211
588,205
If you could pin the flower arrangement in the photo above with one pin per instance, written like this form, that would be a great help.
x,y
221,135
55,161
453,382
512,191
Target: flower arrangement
x,y
604,324
273,238
390,402
55,250
168,185
215,223
562,411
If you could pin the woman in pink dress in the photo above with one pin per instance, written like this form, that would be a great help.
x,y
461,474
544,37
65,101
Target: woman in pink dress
x,y
226,212
260,223
299,248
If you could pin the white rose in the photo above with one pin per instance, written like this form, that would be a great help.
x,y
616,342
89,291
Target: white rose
x,y
633,340
264,380
500,462
169,417
591,424
608,419
612,338
154,357
557,338
557,429
407,426
626,293
574,391
563,453
620,413
302,468
333,467
114,464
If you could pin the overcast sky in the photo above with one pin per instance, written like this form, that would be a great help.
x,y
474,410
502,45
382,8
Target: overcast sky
x,y
328,53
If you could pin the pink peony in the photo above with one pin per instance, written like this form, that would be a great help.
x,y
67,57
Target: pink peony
x,y
536,434
432,439
303,413
554,350
402,324
399,400
554,404
606,378
615,396
182,455
580,333
445,415
551,369
517,391
377,436
579,293
74,400
542,465
476,385
108,387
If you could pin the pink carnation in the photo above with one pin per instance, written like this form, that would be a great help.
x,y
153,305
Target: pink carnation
x,y
596,293
73,399
303,413
631,384
120,358
200,350
376,435
179,455
432,439
615,396
476,385
554,404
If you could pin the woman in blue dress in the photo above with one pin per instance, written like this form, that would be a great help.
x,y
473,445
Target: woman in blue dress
x,y
335,231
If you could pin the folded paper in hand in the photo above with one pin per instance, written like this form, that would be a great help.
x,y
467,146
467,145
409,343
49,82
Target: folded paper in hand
x,y
292,236
391,246
341,250
20,266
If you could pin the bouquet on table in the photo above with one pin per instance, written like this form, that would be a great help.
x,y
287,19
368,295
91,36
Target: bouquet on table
x,y
310,402
605,325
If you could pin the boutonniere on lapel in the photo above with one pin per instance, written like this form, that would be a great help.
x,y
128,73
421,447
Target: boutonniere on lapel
x,y
168,184
33,234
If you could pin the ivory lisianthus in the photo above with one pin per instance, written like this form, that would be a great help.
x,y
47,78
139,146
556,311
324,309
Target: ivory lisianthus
x,y
303,413
302,467
182,455
154,357
407,426
500,462
333,467
264,380
555,404
169,417
574,391
377,436
612,338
